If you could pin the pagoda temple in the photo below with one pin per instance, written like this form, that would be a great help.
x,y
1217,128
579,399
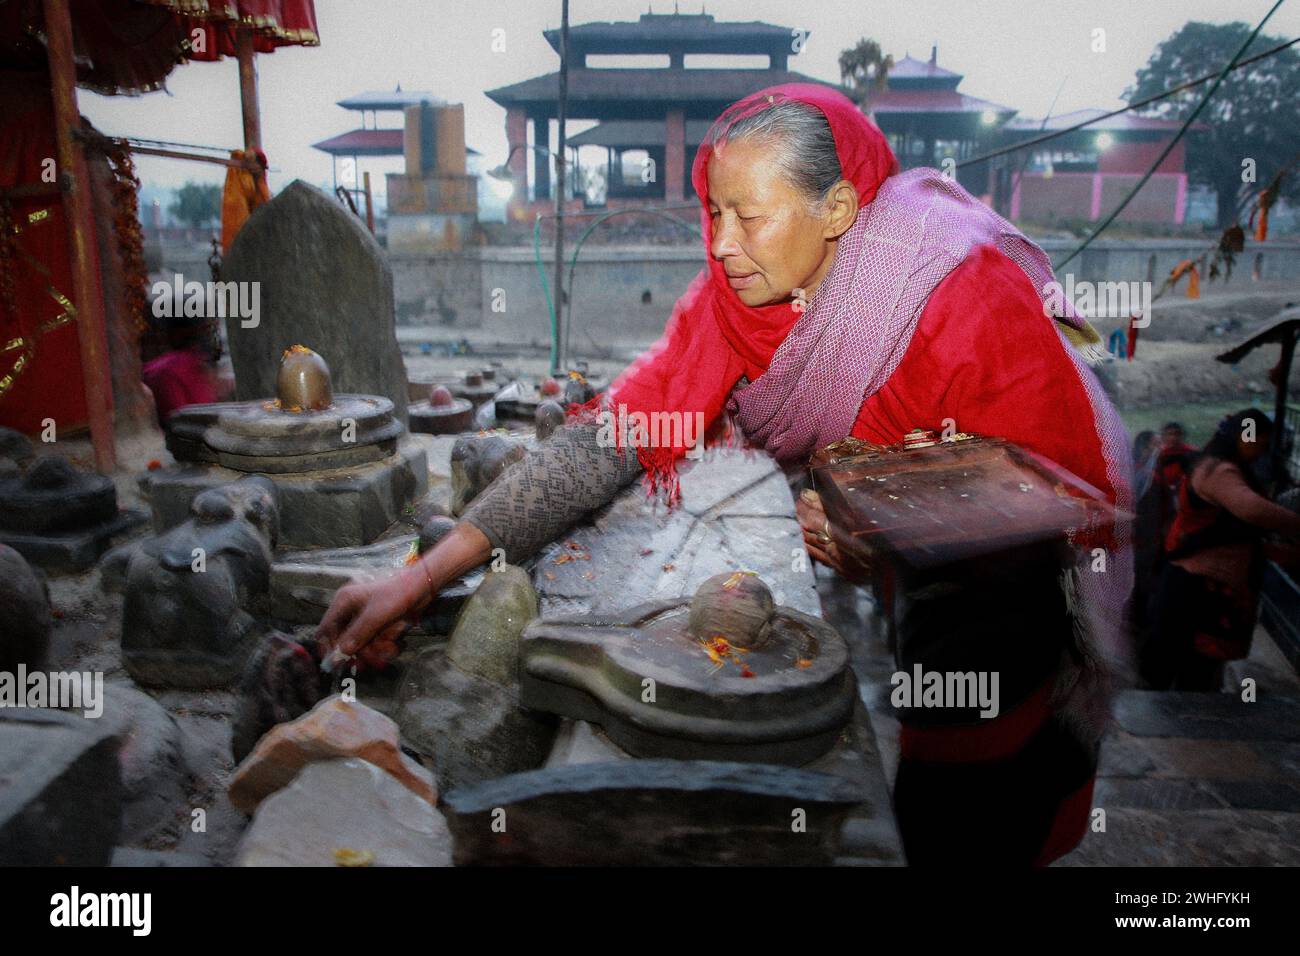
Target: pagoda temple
x,y
928,120
663,111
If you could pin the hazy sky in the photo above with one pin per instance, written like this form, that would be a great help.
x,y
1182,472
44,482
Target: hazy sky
x,y
1016,52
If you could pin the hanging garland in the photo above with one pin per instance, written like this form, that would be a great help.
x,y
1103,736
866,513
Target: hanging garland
x,y
126,223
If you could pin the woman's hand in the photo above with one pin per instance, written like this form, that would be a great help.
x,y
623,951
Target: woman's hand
x,y
366,618
819,539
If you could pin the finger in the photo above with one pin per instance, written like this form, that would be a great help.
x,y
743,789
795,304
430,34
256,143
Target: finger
x,y
384,646
337,617
816,550
360,632
810,518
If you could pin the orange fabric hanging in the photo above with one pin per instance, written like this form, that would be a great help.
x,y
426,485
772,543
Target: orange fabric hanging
x,y
244,191
1265,202
1193,284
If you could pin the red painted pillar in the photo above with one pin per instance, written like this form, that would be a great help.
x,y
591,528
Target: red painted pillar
x,y
81,236
674,171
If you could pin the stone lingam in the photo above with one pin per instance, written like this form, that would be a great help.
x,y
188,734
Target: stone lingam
x,y
60,518
442,414
725,675
342,462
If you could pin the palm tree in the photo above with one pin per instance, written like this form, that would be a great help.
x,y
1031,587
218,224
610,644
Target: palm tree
x,y
864,69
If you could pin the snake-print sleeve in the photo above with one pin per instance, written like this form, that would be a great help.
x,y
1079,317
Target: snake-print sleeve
x,y
552,487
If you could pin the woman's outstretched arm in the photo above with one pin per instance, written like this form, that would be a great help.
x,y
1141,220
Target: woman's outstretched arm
x,y
554,486
532,503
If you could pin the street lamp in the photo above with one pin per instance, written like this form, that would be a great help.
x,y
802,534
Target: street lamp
x,y
557,349
503,184
504,174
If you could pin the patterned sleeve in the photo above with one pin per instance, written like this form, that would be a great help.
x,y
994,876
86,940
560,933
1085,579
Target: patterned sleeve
x,y
551,488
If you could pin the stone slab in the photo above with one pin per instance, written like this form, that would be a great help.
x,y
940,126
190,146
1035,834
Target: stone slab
x,y
304,582
1231,838
652,812
329,509
345,805
737,513
60,789
1211,716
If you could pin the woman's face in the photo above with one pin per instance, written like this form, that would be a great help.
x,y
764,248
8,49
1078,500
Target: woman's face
x,y
763,234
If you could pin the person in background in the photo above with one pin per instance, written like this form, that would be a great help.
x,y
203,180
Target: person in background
x,y
1209,587
186,373
1175,453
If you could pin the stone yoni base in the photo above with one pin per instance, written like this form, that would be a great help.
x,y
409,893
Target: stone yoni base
x,y
346,507
72,551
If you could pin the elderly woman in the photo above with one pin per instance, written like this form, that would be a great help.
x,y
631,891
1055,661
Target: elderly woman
x,y
844,298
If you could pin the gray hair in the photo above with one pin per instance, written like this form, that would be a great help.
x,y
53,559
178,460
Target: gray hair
x,y
802,144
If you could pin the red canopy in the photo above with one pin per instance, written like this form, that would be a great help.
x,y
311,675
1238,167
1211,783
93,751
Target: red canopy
x,y
275,23
129,46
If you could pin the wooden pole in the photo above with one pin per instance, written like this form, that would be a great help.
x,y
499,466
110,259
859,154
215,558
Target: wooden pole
x,y
560,179
97,379
248,89
370,206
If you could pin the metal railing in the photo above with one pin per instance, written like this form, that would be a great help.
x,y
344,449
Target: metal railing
x,y
1289,436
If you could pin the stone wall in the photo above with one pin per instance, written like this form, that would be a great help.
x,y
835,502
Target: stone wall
x,y
620,294
455,290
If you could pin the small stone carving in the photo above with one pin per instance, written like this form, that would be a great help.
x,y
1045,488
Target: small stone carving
x,y
442,414
549,417
476,461
186,619
461,706
59,517
737,607
24,613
